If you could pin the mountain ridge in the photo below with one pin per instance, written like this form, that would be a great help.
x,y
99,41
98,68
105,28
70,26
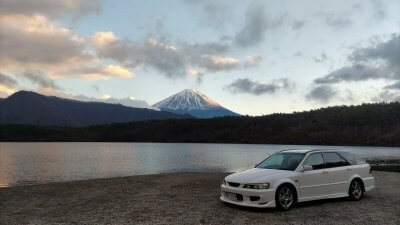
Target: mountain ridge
x,y
26,107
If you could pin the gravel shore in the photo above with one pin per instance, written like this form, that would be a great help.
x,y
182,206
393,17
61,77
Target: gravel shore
x,y
182,198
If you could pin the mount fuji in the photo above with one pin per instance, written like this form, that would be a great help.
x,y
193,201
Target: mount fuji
x,y
193,102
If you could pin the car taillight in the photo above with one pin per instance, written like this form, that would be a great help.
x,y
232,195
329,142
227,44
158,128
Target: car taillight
x,y
370,169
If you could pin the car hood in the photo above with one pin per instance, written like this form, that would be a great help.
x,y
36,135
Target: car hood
x,y
256,175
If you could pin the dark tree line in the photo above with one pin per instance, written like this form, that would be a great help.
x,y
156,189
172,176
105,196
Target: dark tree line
x,y
367,124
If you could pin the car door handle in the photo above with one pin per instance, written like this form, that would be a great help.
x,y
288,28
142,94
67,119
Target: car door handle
x,y
324,172
349,169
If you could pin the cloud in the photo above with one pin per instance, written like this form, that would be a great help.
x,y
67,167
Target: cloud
x,y
36,43
103,39
298,24
208,48
95,87
6,91
252,32
298,54
7,80
248,86
321,59
118,71
253,60
357,72
378,9
38,47
128,101
172,60
256,23
337,22
215,14
50,8
321,94
217,63
110,46
7,85
382,54
194,73
103,73
380,61
40,80
395,86
160,56
387,96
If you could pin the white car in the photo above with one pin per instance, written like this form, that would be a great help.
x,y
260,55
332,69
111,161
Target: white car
x,y
292,176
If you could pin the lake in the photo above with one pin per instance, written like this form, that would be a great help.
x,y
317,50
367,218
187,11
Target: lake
x,y
37,163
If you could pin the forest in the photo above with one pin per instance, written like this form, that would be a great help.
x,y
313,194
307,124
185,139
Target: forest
x,y
375,124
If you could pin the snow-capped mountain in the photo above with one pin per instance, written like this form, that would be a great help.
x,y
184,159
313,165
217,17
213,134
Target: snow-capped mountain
x,y
191,101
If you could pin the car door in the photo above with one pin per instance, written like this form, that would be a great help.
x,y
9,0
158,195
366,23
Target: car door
x,y
338,174
313,184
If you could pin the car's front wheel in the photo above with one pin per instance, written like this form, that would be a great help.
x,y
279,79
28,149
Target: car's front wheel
x,y
285,197
356,190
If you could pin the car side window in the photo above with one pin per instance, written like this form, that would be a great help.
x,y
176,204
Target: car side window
x,y
332,159
315,160
344,161
353,160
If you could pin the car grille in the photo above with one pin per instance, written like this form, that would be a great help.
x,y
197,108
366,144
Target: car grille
x,y
233,184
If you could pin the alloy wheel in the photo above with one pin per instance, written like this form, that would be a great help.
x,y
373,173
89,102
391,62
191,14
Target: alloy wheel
x,y
286,197
356,190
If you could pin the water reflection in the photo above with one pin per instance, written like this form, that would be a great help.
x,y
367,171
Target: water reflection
x,y
33,163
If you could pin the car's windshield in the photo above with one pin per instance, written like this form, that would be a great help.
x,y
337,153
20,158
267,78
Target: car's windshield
x,y
282,161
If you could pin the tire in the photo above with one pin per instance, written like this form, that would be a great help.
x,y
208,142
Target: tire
x,y
356,190
285,197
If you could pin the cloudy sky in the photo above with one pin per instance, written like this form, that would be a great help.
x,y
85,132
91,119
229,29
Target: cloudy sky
x,y
253,57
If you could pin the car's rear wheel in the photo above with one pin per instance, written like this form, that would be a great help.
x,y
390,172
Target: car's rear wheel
x,y
285,197
356,190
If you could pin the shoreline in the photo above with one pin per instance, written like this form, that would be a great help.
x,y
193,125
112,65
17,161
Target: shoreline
x,y
381,168
388,167
182,198
189,142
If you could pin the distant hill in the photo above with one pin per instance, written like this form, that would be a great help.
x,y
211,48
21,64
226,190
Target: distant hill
x,y
26,107
191,101
367,124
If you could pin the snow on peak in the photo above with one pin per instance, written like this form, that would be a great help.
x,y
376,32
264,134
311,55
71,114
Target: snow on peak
x,y
188,99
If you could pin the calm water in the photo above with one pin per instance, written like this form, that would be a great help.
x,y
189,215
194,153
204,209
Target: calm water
x,y
34,163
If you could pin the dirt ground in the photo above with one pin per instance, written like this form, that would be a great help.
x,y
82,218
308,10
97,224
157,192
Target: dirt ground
x,y
183,198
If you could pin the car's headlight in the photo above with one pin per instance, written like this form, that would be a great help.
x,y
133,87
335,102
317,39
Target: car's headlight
x,y
257,186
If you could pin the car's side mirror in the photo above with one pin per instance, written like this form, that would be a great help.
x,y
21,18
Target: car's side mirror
x,y
255,165
306,168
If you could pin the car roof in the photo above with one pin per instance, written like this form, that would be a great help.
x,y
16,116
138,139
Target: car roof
x,y
311,150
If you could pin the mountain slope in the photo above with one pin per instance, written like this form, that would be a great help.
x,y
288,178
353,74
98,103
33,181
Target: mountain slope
x,y
193,102
31,108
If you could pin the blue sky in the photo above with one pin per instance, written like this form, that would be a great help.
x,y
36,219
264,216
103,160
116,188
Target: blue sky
x,y
253,57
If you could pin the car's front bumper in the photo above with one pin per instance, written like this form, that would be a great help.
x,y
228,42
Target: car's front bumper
x,y
248,197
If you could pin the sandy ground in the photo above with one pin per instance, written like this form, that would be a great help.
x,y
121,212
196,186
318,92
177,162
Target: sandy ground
x,y
184,198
